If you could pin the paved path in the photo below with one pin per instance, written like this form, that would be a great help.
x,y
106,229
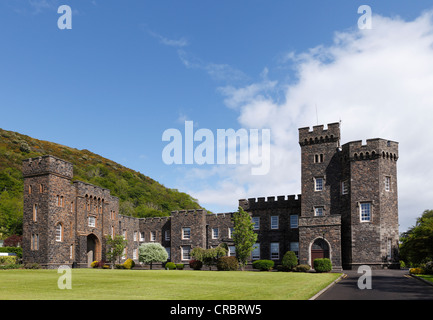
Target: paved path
x,y
386,285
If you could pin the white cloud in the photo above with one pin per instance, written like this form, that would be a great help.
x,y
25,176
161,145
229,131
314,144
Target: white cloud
x,y
379,82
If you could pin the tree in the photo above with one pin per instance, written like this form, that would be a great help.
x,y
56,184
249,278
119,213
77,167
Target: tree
x,y
115,248
289,261
152,252
244,236
417,243
209,256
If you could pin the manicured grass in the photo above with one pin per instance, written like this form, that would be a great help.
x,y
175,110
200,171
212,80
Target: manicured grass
x,y
428,277
162,285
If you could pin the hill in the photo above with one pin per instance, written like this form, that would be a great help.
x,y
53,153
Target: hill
x,y
140,196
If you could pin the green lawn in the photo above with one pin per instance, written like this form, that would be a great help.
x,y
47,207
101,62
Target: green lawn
x,y
163,285
428,277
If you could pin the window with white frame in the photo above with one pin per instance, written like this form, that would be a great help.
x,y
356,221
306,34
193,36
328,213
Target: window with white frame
x,y
152,235
231,232
256,223
167,235
365,211
59,232
318,184
134,254
71,251
232,251
318,211
293,221
294,246
387,183
274,222
186,233
135,235
275,251
215,233
186,250
142,236
255,254
344,187
91,221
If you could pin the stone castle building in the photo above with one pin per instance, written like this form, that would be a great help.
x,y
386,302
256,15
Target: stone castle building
x,y
348,212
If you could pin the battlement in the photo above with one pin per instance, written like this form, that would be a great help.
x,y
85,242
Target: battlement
x,y
319,134
47,164
154,219
270,202
188,212
373,149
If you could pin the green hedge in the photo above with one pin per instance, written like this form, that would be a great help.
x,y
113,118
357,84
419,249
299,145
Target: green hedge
x,y
263,265
17,250
322,265
227,264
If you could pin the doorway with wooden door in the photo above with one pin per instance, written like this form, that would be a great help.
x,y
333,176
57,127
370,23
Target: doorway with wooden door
x,y
319,250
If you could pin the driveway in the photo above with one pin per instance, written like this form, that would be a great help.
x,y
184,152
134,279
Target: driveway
x,y
386,285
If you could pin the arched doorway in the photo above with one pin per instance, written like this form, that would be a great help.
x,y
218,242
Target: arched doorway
x,y
93,249
319,249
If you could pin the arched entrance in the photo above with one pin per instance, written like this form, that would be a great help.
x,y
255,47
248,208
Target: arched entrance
x,y
319,249
93,249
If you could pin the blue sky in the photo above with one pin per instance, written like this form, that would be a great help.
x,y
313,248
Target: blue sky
x,y
128,70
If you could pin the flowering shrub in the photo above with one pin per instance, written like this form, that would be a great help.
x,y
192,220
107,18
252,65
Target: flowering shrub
x,y
416,270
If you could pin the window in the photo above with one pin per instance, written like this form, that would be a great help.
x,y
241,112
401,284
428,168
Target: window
x,y
256,222
293,221
274,222
71,252
35,242
58,201
275,250
255,254
30,189
168,249
186,233
134,254
41,188
387,183
152,235
318,184
92,221
365,212
141,236
135,236
215,232
186,252
124,234
232,251
112,232
231,232
389,248
167,235
59,232
72,207
318,211
294,246
318,158
35,212
344,187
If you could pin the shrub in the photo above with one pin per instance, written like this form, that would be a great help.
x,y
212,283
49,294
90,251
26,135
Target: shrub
x,y
170,266
289,261
428,269
302,268
195,264
17,250
179,266
94,264
263,265
322,265
7,260
416,270
129,264
31,266
227,264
